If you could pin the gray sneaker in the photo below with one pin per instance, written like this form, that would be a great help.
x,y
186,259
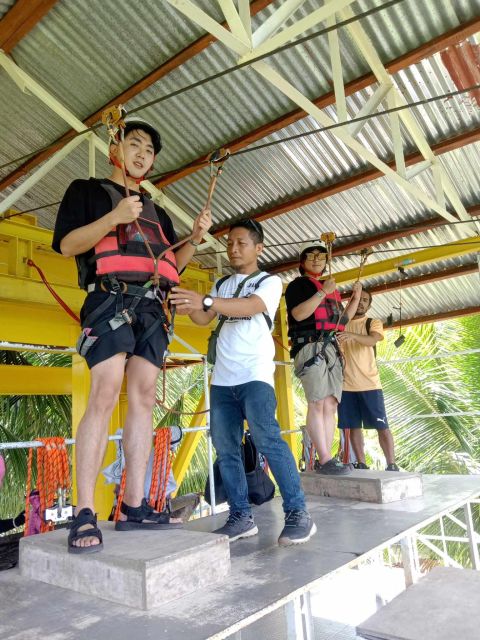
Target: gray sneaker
x,y
392,467
299,528
333,468
238,526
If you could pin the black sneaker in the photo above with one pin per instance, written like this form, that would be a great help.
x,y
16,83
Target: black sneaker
x,y
238,526
333,468
360,465
392,467
299,528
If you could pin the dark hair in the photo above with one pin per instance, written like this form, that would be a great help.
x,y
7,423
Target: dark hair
x,y
303,255
254,228
146,128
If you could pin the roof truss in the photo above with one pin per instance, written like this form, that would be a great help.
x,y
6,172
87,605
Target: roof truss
x,y
330,11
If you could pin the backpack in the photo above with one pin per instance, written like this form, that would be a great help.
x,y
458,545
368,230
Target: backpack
x,y
368,324
260,486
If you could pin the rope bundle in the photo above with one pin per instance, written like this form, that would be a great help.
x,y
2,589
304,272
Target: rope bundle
x,y
53,475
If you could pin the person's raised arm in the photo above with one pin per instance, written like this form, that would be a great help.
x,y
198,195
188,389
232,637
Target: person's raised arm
x,y
307,308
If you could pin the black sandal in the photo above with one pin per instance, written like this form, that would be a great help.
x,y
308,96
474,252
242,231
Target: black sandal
x,y
137,515
84,516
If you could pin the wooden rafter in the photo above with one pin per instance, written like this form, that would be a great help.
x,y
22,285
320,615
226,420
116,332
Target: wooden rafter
x,y
20,20
375,239
445,146
413,57
436,317
161,71
416,281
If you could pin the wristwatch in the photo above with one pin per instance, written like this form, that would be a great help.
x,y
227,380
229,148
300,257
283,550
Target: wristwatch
x,y
207,303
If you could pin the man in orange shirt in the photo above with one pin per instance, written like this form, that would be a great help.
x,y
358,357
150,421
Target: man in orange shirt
x,y
362,402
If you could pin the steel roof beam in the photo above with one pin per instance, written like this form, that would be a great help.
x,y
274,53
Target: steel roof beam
x,y
443,183
374,240
445,146
436,317
25,82
416,281
412,57
410,260
162,70
20,20
274,77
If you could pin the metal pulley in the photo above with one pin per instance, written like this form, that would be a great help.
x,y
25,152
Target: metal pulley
x,y
114,119
216,160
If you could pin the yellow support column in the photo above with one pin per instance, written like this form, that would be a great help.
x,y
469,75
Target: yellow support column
x,y
189,444
283,382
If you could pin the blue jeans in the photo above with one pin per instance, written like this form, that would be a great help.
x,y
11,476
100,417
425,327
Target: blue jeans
x,y
254,402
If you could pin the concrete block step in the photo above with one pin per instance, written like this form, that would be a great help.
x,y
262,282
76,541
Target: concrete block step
x,y
365,485
443,605
141,569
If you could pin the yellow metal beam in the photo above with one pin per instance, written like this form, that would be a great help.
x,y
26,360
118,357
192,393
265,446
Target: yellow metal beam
x,y
283,381
30,323
188,445
23,380
414,259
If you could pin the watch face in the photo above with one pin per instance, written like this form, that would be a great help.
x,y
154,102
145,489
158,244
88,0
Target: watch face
x,y
207,302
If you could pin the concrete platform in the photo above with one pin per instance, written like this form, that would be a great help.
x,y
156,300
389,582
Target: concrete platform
x,y
365,485
263,577
141,569
441,606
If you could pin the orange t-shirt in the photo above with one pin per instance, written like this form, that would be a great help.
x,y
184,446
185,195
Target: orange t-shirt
x,y
361,371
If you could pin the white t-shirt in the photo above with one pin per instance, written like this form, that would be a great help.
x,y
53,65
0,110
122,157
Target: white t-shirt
x,y
245,348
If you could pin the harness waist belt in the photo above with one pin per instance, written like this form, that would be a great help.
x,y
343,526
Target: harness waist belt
x,y
308,338
126,290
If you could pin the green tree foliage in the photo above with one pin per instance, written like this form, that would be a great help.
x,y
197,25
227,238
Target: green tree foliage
x,y
417,389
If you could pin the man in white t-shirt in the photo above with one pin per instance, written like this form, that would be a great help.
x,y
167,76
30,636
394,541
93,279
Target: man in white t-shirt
x,y
242,383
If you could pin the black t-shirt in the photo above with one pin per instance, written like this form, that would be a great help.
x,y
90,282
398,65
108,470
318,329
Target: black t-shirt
x,y
299,290
84,202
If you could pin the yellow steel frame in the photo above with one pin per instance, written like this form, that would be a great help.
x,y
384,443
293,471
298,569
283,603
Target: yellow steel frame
x,y
283,380
26,381
413,259
189,444
30,315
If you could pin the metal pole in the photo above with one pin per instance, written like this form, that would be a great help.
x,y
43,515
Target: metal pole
x,y
444,542
307,615
206,390
33,444
472,536
293,614
408,560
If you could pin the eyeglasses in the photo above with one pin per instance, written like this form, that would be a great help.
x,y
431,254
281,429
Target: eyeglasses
x,y
311,255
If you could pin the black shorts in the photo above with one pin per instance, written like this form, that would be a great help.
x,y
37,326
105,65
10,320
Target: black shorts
x,y
362,409
127,338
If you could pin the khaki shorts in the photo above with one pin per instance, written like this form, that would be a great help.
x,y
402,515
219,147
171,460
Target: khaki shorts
x,y
323,378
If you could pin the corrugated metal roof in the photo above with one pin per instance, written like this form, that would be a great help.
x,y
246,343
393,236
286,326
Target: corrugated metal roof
x,y
435,297
202,119
5,6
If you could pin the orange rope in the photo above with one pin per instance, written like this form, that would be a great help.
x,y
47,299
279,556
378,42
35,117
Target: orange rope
x,y
53,474
162,464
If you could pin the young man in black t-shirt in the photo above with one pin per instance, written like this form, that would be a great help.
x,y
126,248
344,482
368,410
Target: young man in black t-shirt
x,y
122,319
